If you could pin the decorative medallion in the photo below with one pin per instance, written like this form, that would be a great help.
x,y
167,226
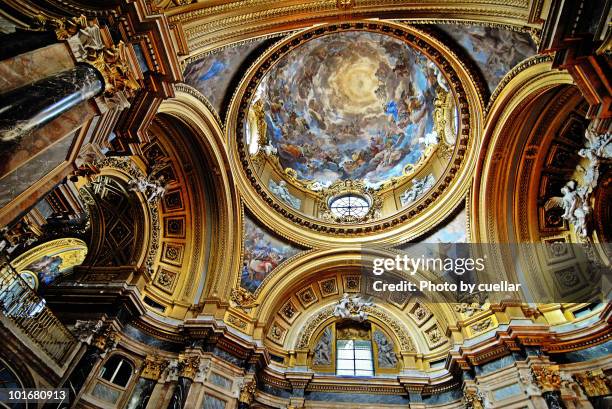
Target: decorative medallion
x,y
328,287
307,296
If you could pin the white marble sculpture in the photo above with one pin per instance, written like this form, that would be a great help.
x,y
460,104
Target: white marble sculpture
x,y
351,307
419,186
153,189
280,190
575,199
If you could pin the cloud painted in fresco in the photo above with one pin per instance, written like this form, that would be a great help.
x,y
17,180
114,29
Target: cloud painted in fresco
x,y
495,51
351,105
454,231
212,75
262,253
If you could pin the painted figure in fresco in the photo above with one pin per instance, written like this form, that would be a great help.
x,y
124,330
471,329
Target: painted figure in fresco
x,y
496,51
47,269
262,254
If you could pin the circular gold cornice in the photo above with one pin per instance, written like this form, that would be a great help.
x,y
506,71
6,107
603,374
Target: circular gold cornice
x,y
409,222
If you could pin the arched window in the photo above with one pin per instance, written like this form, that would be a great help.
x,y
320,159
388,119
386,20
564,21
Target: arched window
x,y
113,379
354,350
117,370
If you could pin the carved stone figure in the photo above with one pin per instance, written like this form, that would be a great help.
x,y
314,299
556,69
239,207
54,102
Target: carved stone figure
x,y
386,354
419,186
88,39
322,351
351,308
574,203
153,189
280,190
172,370
473,399
575,198
85,330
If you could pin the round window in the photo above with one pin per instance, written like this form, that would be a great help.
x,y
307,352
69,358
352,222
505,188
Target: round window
x,y
350,205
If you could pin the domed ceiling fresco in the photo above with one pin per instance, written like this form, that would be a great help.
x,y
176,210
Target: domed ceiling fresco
x,y
354,105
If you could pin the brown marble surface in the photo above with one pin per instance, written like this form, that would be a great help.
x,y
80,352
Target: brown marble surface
x,y
35,169
39,140
34,65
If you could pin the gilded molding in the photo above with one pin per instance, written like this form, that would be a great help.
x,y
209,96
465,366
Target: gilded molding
x,y
529,62
182,87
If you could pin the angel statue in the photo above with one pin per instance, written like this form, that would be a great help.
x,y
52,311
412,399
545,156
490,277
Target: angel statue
x,y
351,308
419,186
575,203
569,202
153,189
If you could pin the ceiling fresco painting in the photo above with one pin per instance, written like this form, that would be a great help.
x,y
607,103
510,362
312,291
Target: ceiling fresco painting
x,y
349,106
44,264
212,75
495,51
454,231
262,253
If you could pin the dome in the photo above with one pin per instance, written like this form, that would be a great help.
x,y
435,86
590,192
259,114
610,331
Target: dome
x,y
363,110
352,105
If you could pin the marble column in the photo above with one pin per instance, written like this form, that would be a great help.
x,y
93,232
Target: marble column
x,y
22,41
149,375
27,108
142,393
181,390
188,367
553,400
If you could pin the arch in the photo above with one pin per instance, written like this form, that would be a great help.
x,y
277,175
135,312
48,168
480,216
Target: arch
x,y
308,265
188,108
120,219
499,145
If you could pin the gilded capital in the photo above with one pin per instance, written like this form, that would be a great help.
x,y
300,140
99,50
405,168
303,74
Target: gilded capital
x,y
153,367
247,392
547,377
188,366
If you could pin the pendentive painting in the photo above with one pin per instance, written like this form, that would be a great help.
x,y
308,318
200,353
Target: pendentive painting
x,y
262,253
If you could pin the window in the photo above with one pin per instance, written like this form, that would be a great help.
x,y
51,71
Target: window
x,y
354,357
349,206
117,370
